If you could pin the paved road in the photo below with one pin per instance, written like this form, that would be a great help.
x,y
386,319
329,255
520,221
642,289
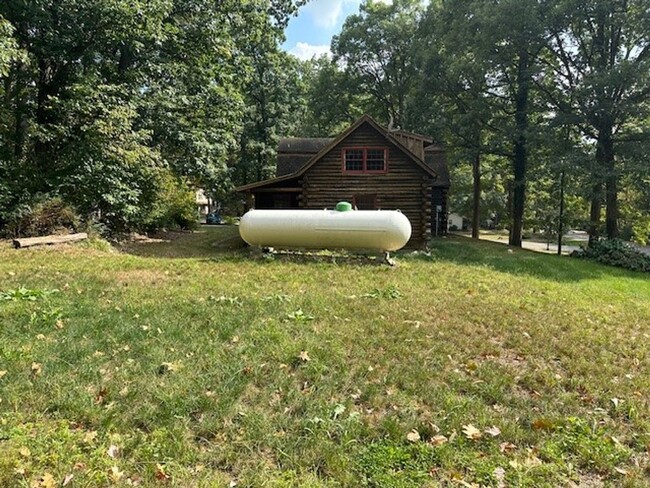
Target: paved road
x,y
533,245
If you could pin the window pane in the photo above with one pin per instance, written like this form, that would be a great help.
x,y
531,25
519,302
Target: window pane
x,y
354,160
375,160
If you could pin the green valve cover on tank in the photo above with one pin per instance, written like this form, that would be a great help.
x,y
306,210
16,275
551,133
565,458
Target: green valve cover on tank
x,y
343,207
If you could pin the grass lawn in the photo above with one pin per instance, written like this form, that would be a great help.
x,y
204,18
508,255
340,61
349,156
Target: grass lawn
x,y
185,364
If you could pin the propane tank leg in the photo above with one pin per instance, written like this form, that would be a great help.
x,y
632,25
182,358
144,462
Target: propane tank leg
x,y
388,260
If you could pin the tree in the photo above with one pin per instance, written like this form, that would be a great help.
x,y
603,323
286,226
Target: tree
x,y
602,66
113,94
377,49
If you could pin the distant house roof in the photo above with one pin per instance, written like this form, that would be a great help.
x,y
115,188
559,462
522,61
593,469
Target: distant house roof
x,y
297,163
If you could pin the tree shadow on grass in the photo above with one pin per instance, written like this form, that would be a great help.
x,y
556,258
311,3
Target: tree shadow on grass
x,y
207,242
505,259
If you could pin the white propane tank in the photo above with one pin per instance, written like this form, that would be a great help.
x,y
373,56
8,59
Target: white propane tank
x,y
383,230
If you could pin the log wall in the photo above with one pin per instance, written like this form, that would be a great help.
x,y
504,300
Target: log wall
x,y
405,186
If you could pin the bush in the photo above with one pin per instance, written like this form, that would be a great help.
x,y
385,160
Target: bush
x,y
48,216
616,252
175,207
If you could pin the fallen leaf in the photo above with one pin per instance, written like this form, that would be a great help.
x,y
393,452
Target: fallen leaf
x,y
90,436
621,471
113,451
67,479
438,440
2,374
303,356
25,452
532,461
494,431
40,337
413,436
500,475
59,324
543,424
37,369
45,481
506,447
471,432
160,473
616,402
115,474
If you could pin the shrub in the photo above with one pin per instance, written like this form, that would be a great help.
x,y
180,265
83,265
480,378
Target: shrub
x,y
46,216
616,252
175,206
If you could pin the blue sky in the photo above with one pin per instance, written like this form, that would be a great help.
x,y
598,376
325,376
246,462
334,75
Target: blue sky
x,y
310,33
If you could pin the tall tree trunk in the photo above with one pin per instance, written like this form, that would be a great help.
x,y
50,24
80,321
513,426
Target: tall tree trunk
x,y
611,182
595,210
520,155
476,204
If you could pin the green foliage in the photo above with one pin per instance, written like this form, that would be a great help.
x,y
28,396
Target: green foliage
x,y
588,444
48,215
377,48
174,207
111,92
26,294
616,252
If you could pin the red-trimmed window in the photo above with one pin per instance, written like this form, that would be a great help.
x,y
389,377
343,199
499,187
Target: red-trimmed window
x,y
365,160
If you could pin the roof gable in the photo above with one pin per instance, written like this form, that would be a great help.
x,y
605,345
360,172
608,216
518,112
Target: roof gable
x,y
364,119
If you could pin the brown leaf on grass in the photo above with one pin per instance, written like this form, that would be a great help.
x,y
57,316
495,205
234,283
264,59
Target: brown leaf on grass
x,y
438,440
37,369
494,431
115,474
506,447
101,395
45,481
413,436
90,436
543,424
160,473
304,356
471,432
113,451
24,452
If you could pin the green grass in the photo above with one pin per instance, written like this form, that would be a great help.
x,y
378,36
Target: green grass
x,y
202,366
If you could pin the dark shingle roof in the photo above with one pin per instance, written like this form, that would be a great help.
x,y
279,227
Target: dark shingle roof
x,y
436,159
303,145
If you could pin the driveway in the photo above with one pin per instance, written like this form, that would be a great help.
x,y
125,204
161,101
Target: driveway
x,y
576,237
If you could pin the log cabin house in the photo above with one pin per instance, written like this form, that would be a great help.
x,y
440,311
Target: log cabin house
x,y
368,165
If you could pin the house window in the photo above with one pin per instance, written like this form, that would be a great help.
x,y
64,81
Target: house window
x,y
365,160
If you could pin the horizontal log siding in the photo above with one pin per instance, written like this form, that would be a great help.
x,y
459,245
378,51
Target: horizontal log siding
x,y
405,186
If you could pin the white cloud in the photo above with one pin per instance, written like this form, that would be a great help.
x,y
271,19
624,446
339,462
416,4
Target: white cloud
x,y
328,13
325,13
306,51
